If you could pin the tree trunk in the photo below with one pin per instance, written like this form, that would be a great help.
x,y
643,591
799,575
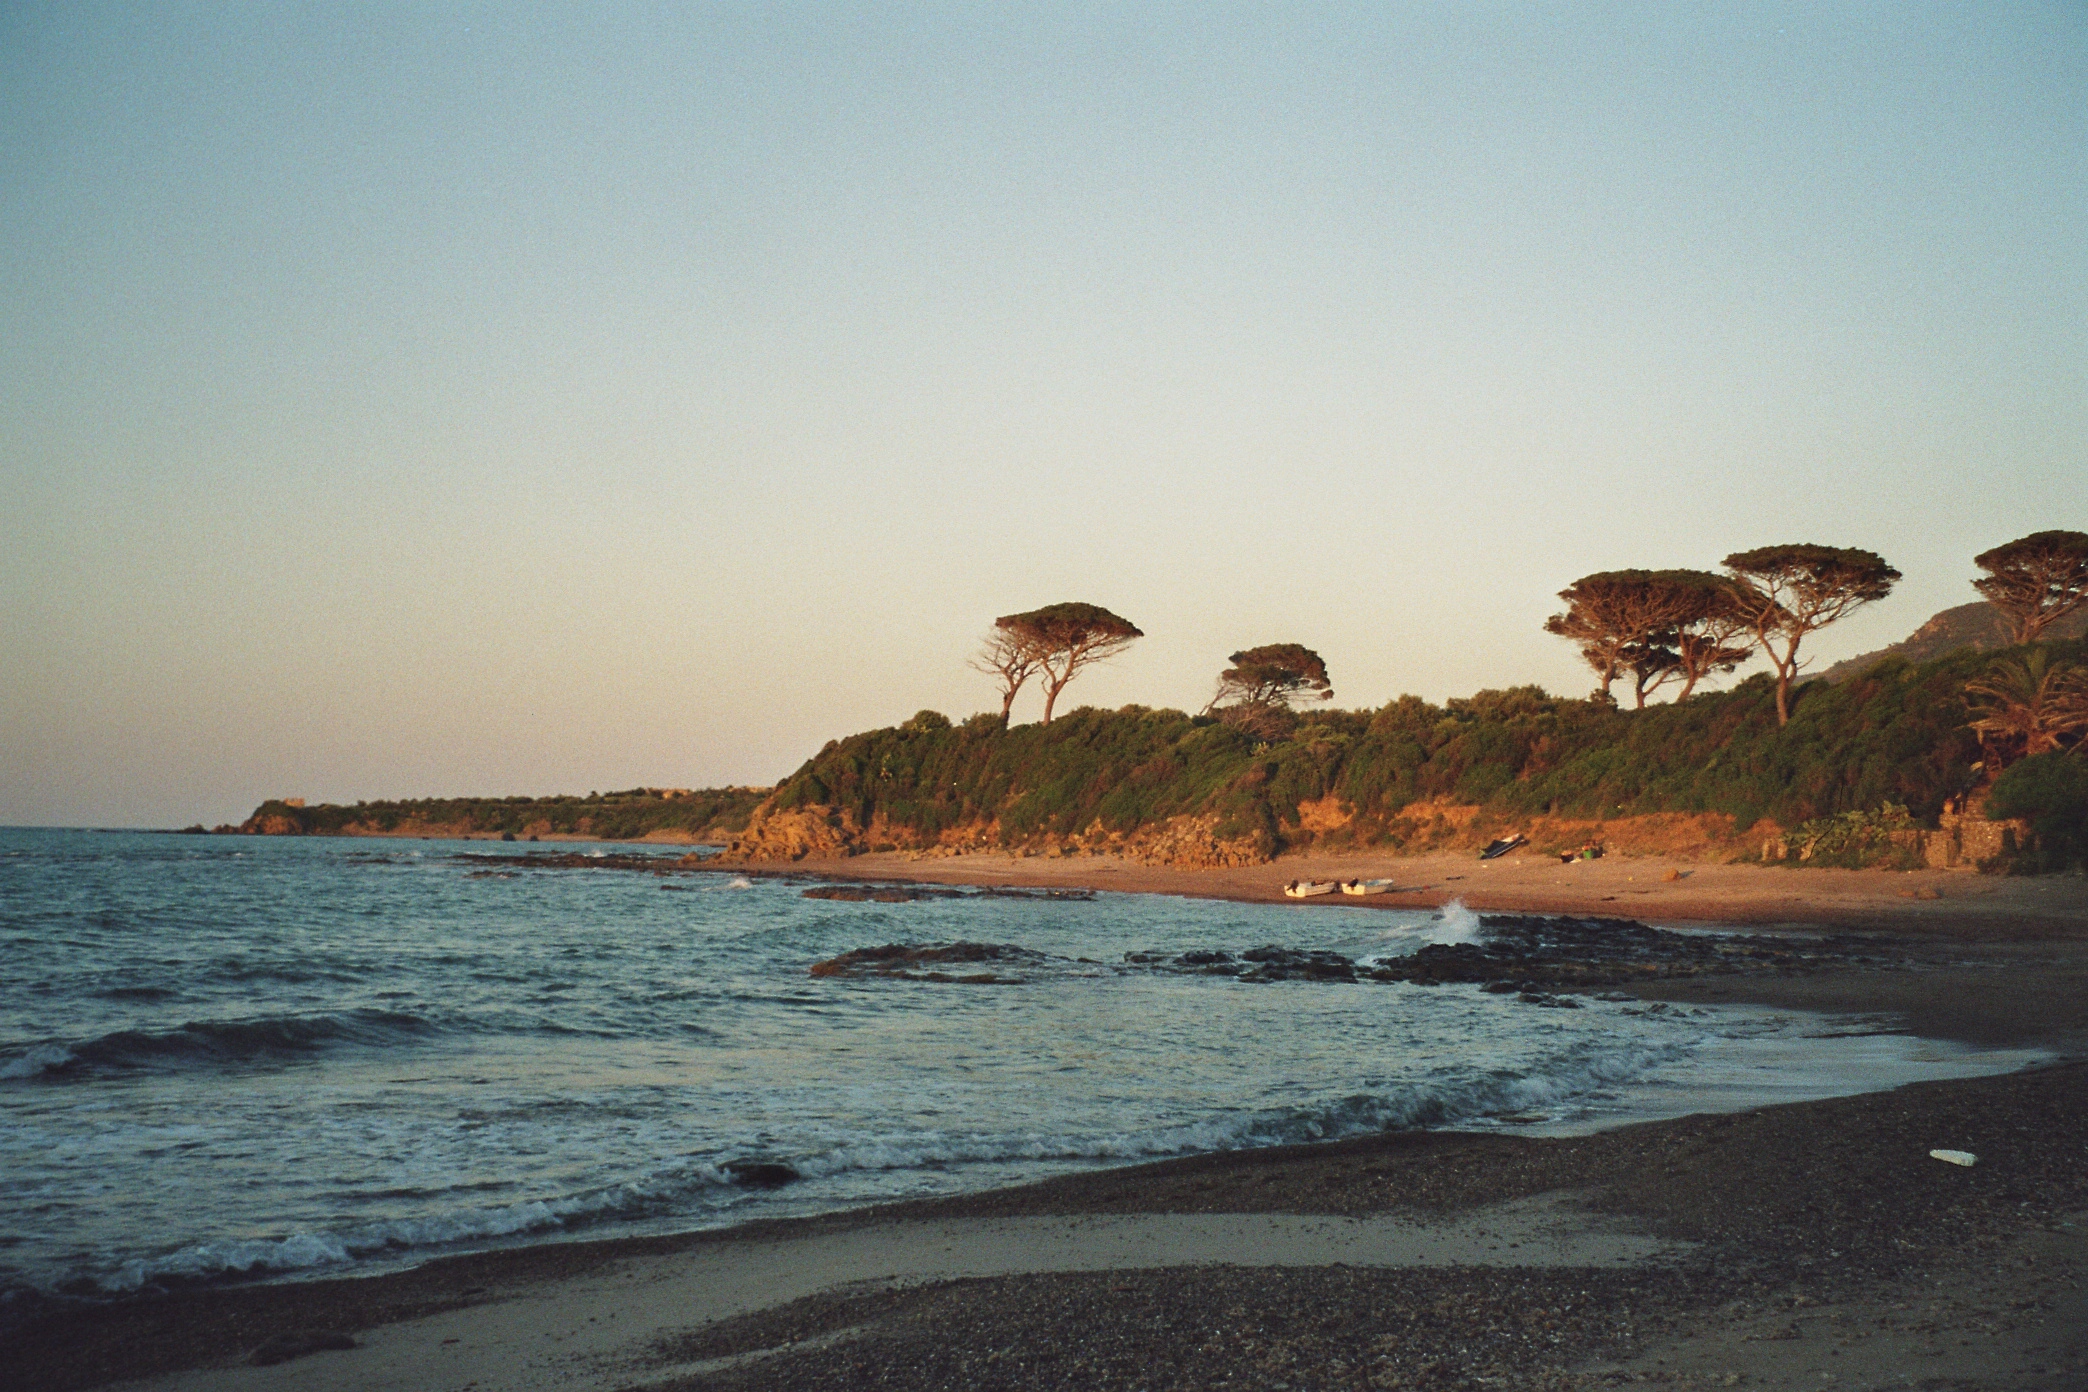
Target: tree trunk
x,y
1786,668
1051,691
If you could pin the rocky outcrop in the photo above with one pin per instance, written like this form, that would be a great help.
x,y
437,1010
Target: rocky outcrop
x,y
278,817
1192,843
1188,843
797,833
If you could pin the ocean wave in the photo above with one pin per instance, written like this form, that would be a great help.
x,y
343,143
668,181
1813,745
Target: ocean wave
x,y
648,1196
263,1039
1447,1102
696,1186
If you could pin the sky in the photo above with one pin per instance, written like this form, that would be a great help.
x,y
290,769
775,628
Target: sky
x,y
451,399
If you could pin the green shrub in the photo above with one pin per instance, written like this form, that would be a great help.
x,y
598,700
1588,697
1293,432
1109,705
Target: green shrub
x,y
1856,840
2050,791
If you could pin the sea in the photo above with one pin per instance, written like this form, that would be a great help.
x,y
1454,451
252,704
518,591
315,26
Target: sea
x,y
238,1058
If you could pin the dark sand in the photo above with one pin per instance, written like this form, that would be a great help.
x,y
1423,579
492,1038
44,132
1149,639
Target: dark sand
x,y
1829,1249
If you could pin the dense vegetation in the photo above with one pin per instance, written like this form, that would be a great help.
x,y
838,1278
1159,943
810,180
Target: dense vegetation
x,y
1895,734
618,816
2050,791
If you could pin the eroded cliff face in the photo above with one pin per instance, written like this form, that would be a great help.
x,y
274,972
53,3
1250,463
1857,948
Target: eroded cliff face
x,y
271,824
827,832
800,832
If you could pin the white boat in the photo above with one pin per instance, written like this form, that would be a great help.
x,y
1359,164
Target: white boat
x,y
1365,886
1307,889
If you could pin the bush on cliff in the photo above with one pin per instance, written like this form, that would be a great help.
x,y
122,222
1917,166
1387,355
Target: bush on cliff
x,y
2051,792
1896,734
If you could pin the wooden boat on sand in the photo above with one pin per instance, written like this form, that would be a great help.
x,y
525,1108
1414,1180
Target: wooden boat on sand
x,y
1365,886
1307,889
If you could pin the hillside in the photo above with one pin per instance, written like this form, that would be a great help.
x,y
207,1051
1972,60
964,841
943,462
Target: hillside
x,y
675,814
1714,776
1977,625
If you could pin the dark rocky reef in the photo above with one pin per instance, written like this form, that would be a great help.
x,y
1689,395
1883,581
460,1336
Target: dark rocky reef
x,y
575,860
903,962
1270,963
1536,954
1542,961
1534,957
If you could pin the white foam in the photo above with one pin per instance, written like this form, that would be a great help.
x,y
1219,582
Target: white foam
x,y
44,1058
1453,924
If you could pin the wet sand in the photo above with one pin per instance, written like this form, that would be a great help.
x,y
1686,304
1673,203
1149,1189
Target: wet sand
x,y
1808,1245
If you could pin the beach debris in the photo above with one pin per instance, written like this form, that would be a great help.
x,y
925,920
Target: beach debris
x,y
284,1347
1501,847
1955,1157
901,961
760,1174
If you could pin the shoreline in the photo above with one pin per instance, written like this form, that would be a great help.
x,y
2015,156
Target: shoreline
x,y
1693,1214
1920,903
1945,903
1673,1183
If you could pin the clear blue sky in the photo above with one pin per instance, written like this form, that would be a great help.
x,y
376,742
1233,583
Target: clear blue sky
x,y
447,399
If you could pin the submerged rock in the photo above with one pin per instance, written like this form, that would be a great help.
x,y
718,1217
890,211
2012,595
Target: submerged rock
x,y
876,894
902,960
1295,964
760,1174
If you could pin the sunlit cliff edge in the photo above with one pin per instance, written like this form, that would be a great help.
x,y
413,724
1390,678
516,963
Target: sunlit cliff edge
x,y
1880,768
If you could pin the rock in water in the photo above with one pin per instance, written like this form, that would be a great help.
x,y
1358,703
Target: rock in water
x,y
760,1174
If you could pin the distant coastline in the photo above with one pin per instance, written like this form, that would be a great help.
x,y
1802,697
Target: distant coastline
x,y
675,816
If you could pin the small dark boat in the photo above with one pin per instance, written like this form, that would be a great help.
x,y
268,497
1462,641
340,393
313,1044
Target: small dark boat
x,y
1495,849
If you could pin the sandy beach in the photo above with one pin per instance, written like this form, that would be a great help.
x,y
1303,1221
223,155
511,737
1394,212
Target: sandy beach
x,y
1950,904
1808,1245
